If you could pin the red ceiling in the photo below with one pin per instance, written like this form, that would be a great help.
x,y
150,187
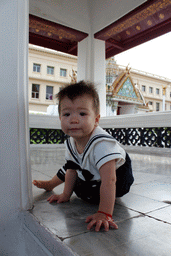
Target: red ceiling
x,y
148,21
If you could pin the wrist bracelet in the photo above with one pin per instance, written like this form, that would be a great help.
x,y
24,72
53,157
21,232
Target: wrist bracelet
x,y
107,214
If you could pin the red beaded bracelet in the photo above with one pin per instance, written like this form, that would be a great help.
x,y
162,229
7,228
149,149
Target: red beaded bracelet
x,y
107,214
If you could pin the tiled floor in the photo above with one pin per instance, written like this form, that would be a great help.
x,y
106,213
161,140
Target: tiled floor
x,y
143,215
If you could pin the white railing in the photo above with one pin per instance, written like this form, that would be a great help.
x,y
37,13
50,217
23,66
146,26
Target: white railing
x,y
153,119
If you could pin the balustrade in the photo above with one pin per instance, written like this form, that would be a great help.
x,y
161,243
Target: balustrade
x,y
150,130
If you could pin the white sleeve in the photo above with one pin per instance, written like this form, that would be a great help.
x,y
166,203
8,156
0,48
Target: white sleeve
x,y
105,151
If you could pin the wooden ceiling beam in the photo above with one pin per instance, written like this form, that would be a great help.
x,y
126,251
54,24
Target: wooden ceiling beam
x,y
115,43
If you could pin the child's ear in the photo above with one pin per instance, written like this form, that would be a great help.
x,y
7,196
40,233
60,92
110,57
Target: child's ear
x,y
97,120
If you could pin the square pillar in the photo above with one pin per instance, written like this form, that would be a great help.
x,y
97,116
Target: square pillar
x,y
91,66
15,182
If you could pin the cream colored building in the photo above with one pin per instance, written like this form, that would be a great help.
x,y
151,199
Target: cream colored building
x,y
48,71
155,89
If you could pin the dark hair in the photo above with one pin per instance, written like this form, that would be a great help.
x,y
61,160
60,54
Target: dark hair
x,y
75,90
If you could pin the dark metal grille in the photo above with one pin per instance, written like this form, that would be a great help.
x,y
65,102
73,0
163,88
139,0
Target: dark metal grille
x,y
46,136
149,137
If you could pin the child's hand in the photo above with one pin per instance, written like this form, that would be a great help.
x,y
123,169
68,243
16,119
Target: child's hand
x,y
100,219
59,198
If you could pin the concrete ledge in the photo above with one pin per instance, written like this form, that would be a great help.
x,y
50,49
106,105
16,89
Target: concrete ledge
x,y
153,119
162,152
47,146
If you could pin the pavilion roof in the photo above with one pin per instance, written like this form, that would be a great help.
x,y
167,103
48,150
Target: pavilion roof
x,y
148,21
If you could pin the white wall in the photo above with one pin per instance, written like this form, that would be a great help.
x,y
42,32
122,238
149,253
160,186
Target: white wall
x,y
127,109
13,111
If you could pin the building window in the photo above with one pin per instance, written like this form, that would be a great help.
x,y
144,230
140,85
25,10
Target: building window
x,y
143,88
109,79
157,106
36,67
35,91
63,72
150,89
150,103
157,91
49,92
50,70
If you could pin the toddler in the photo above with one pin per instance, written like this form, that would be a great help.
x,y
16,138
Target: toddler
x,y
97,168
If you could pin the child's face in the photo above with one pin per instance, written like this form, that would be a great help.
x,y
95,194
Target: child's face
x,y
78,117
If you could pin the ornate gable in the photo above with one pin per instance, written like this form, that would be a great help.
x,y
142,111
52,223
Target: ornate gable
x,y
125,90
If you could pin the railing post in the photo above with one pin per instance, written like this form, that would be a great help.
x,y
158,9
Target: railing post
x,y
158,137
142,137
127,131
47,136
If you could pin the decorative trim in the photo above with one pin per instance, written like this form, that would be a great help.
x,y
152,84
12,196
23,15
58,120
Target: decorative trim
x,y
146,22
138,17
40,27
54,36
51,29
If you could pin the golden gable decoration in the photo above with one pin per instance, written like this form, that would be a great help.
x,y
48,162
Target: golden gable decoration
x,y
125,90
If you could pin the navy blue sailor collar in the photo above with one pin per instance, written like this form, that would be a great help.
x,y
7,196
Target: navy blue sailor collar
x,y
98,135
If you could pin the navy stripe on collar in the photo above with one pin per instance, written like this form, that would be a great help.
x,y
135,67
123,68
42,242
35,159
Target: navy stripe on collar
x,y
69,145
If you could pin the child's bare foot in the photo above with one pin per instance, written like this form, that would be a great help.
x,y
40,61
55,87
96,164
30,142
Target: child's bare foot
x,y
45,184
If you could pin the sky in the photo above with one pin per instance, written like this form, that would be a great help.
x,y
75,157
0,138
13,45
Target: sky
x,y
153,56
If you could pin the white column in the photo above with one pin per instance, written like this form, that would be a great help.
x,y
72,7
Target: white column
x,y
15,182
164,97
91,66
163,108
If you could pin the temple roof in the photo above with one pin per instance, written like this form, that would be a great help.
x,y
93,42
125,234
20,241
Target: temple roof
x,y
124,89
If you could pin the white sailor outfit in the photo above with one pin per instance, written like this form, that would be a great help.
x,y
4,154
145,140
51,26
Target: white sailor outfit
x,y
100,149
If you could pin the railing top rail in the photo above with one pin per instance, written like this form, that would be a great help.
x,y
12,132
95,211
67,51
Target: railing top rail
x,y
153,119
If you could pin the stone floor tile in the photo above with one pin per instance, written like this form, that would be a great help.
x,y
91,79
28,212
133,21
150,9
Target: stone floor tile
x,y
154,190
140,203
136,236
163,214
68,219
165,179
37,175
47,169
151,164
143,177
